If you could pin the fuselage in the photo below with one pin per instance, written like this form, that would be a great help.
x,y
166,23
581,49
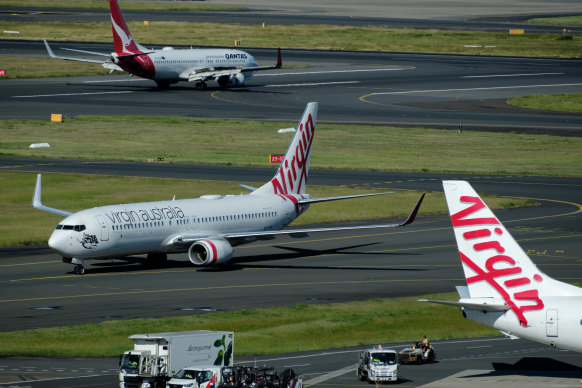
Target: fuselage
x,y
174,65
146,227
559,324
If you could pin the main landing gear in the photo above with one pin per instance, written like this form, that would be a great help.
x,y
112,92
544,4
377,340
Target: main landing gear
x,y
79,269
201,85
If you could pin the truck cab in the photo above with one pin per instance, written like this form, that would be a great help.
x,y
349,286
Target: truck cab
x,y
378,364
196,377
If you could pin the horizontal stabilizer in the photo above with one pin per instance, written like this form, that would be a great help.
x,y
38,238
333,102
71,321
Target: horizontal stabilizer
x,y
249,188
479,305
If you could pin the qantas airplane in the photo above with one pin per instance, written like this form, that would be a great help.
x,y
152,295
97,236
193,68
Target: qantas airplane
x,y
168,66
206,227
505,289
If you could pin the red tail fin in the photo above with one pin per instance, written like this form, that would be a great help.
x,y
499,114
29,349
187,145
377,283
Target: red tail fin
x,y
122,40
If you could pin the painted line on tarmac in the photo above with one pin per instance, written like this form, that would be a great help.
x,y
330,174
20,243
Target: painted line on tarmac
x,y
332,72
312,84
510,75
72,94
330,375
469,89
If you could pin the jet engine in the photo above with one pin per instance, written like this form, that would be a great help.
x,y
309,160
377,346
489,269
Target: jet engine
x,y
210,252
237,79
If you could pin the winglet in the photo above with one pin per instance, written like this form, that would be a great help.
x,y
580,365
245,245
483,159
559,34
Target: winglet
x,y
49,49
37,200
414,212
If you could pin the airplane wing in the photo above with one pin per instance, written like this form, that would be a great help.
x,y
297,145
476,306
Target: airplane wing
x,y
37,200
105,64
266,234
207,74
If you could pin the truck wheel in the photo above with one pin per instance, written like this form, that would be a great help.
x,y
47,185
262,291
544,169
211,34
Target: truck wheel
x,y
361,376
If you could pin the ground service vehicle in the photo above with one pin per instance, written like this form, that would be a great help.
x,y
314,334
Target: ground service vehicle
x,y
157,357
377,365
235,377
417,353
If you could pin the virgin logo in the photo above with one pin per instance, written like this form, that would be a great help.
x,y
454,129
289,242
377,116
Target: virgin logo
x,y
499,270
292,175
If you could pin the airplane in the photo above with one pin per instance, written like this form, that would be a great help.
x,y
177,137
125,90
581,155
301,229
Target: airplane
x,y
505,290
168,66
207,228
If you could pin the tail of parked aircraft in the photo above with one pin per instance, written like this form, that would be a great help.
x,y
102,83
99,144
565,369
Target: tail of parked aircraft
x,y
123,42
291,176
500,275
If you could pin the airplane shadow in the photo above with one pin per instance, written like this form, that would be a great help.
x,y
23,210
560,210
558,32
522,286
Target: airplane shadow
x,y
138,263
533,366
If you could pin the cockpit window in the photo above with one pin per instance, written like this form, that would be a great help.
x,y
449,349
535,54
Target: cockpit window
x,y
76,228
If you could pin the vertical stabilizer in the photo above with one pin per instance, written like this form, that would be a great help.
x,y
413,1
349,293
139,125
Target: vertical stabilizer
x,y
123,42
291,176
495,265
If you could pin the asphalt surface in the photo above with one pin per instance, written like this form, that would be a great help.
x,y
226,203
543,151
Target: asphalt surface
x,y
442,91
269,13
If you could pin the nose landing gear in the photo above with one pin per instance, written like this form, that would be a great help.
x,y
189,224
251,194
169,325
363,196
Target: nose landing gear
x,y
78,263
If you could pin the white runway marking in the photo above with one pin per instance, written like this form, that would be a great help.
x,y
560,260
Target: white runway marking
x,y
71,94
312,84
471,89
510,75
329,72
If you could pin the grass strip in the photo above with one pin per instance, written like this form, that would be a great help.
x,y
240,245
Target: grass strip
x,y
565,21
27,67
227,142
264,331
319,37
555,102
76,192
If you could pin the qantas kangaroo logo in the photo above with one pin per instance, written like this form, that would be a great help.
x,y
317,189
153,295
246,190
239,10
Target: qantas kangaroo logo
x,y
487,236
126,40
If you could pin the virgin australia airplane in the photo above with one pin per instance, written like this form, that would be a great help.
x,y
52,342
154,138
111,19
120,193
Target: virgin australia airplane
x,y
168,66
206,227
505,289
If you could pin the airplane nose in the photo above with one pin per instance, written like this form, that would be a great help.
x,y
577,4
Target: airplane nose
x,y
57,243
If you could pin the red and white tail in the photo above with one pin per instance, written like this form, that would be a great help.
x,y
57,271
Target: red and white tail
x,y
495,265
123,42
291,177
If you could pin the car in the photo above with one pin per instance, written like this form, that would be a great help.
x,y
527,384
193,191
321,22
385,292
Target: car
x,y
417,353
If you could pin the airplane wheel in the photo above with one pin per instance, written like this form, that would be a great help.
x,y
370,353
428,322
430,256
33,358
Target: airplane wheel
x,y
79,270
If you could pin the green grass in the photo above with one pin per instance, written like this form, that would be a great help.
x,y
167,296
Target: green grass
x,y
227,142
556,102
264,331
125,5
320,37
76,192
565,21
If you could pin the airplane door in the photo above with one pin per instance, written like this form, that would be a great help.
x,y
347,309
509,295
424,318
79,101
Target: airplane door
x,y
104,228
552,323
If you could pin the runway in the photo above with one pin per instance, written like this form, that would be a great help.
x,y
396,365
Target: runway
x,y
440,91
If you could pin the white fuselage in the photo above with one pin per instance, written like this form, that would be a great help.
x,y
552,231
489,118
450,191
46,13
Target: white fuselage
x,y
174,64
146,227
559,324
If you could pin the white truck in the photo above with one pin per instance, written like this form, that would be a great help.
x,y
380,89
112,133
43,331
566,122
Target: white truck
x,y
377,365
157,357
